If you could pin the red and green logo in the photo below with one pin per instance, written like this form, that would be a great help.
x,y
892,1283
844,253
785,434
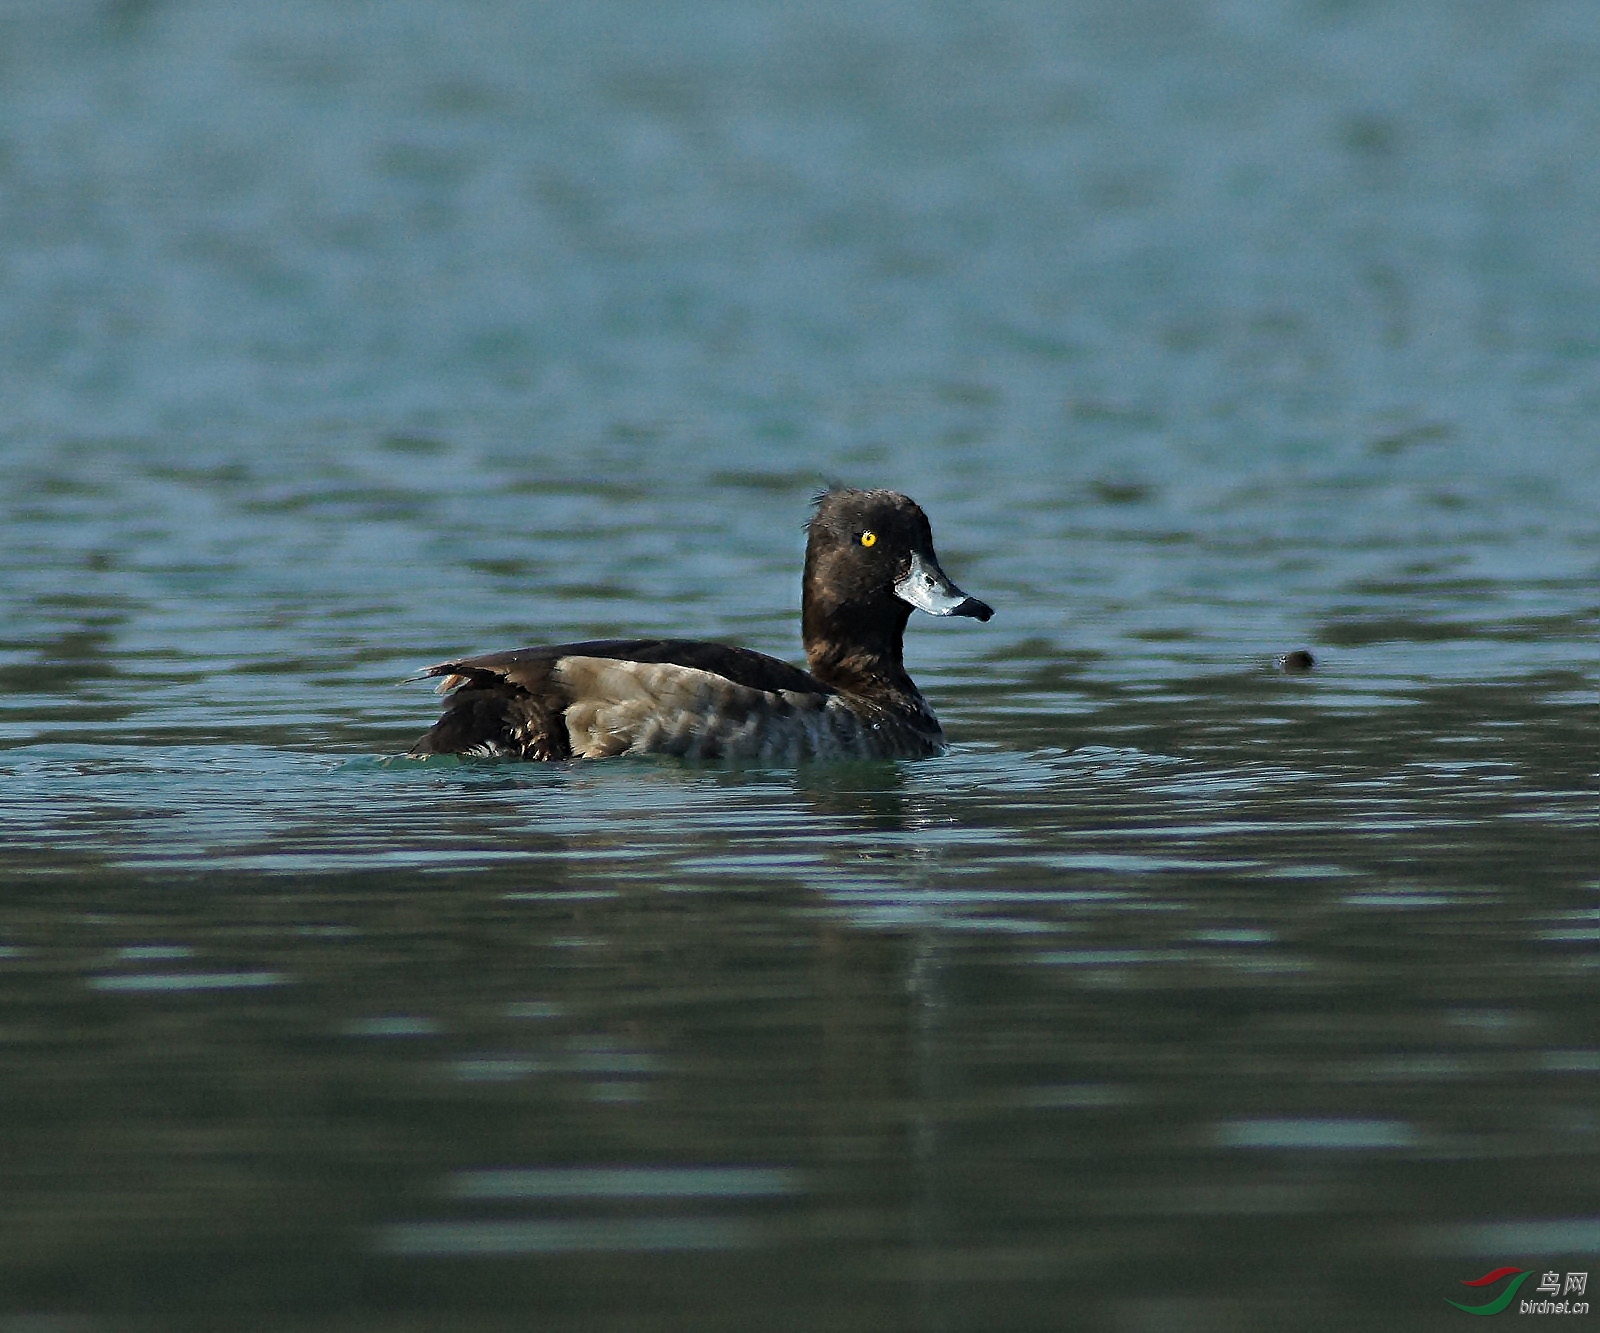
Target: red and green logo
x,y
1500,1302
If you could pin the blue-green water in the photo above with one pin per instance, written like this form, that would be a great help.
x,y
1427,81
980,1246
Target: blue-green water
x,y
1181,994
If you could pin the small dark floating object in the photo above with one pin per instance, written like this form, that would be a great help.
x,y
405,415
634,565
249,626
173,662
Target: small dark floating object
x,y
869,562
1298,660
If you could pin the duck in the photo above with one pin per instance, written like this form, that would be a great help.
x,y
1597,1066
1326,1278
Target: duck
x,y
869,563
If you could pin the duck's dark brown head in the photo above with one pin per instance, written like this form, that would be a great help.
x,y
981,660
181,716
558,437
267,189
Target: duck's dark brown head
x,y
869,561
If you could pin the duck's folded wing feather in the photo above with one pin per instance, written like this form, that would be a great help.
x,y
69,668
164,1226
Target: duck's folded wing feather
x,y
740,665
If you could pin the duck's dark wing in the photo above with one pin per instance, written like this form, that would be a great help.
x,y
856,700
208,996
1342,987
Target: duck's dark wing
x,y
610,696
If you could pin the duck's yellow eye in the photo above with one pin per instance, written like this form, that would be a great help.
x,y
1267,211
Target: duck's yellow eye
x,y
869,539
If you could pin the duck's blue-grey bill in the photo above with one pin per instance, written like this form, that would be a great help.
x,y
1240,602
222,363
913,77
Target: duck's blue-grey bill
x,y
926,588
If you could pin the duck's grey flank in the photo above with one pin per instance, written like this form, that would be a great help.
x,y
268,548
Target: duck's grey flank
x,y
635,708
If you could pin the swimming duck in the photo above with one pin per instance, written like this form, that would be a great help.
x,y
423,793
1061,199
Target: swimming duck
x,y
869,561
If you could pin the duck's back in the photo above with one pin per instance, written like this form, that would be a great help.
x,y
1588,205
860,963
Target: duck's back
x,y
680,697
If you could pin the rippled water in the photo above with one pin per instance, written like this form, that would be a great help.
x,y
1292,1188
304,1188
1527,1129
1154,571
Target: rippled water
x,y
1183,993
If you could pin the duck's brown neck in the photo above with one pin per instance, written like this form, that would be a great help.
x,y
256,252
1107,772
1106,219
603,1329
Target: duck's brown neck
x,y
857,648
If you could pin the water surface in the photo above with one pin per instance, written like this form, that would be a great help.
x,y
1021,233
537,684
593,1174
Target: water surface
x,y
1182,993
